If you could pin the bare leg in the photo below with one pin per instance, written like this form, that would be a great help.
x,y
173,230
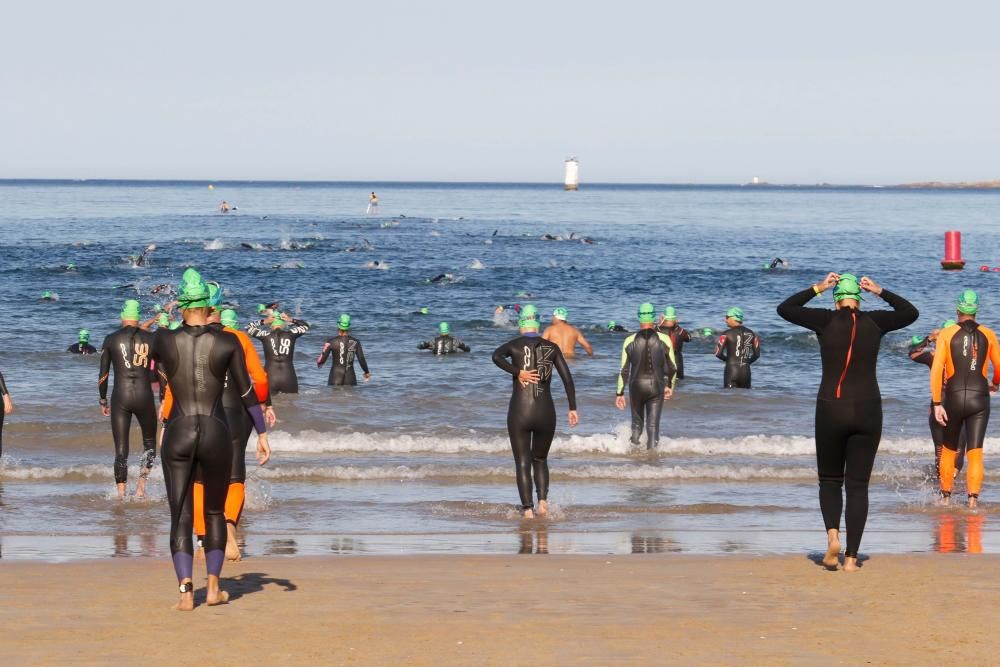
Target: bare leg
x,y
851,564
140,487
543,508
121,491
186,603
215,596
528,514
232,548
832,558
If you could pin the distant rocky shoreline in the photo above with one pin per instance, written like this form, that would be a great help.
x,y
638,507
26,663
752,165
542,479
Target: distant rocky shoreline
x,y
938,185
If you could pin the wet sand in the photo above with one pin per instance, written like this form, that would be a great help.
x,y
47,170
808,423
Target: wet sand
x,y
508,610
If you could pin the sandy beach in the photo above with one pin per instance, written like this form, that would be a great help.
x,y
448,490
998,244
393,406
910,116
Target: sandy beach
x,y
508,610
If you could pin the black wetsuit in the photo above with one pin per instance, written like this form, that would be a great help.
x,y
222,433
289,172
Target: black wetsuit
x,y
279,354
445,344
531,415
81,348
3,393
923,353
738,347
344,350
647,369
197,362
678,336
849,402
128,351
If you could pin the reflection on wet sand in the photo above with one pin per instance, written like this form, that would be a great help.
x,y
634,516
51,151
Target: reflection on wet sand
x,y
534,540
281,547
654,544
959,533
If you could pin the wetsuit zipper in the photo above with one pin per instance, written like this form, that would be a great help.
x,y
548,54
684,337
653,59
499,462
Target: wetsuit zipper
x,y
850,348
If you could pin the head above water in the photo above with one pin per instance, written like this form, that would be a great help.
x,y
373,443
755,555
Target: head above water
x,y
848,289
344,322
735,313
968,303
83,336
46,295
424,310
193,291
647,313
130,311
611,325
444,329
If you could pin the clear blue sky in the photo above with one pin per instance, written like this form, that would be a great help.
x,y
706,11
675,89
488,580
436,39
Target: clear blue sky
x,y
848,92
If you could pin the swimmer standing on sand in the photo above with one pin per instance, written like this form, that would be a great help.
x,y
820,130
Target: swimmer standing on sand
x,y
565,335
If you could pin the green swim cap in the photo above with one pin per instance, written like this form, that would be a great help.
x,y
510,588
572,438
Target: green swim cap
x,y
647,313
261,308
968,303
444,328
130,311
83,336
707,331
46,294
163,320
736,313
916,340
612,324
528,323
229,319
847,288
669,313
424,310
176,325
214,293
71,265
344,322
278,322
948,323
528,311
193,292
560,314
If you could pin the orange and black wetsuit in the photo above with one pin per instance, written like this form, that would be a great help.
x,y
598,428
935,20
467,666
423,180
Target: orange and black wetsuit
x,y
849,402
923,353
958,382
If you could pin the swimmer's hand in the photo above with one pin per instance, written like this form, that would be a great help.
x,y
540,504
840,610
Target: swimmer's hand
x,y
828,282
263,449
270,418
869,285
368,376
667,393
8,405
620,402
528,377
940,416
573,418
105,411
993,389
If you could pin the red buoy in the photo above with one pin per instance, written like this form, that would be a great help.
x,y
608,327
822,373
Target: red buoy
x,y
952,252
985,267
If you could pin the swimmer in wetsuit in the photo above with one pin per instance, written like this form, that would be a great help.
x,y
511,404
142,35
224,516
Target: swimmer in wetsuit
x,y
565,335
738,347
961,393
849,402
279,350
614,327
444,343
128,352
8,407
531,414
678,336
344,348
649,370
82,346
921,351
197,361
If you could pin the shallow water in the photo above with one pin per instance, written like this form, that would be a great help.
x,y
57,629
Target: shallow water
x,y
417,460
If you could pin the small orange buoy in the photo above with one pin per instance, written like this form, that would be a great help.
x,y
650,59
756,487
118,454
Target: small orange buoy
x,y
984,267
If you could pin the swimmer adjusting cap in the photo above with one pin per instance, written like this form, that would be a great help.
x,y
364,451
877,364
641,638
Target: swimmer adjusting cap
x,y
344,322
130,311
647,313
948,323
968,303
229,319
277,322
163,320
444,328
847,288
669,313
193,292
736,313
560,314
214,293
83,336
176,325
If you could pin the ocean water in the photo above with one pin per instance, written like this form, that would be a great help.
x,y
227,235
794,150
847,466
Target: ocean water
x,y
417,460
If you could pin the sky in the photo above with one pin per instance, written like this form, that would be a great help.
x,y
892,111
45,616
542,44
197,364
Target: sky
x,y
654,92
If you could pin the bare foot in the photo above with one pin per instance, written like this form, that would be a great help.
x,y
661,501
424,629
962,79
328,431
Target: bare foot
x,y
973,502
232,548
528,514
121,491
186,603
543,508
851,564
945,498
140,488
219,597
831,560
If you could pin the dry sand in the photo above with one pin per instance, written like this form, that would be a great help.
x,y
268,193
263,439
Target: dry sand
x,y
509,610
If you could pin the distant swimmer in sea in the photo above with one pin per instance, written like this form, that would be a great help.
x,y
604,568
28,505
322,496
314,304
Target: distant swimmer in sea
x,y
444,343
614,327
82,346
48,295
776,263
678,336
345,348
423,310
531,414
849,402
127,351
372,203
565,335
8,407
737,347
961,393
921,351
279,349
225,207
143,258
445,279
650,373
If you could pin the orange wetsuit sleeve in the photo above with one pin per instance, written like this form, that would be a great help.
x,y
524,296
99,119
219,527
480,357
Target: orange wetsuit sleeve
x,y
167,403
942,363
254,367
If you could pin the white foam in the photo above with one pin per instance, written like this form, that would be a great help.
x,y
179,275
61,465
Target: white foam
x,y
476,265
215,244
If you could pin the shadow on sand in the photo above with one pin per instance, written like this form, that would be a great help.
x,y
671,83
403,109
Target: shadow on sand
x,y
817,558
